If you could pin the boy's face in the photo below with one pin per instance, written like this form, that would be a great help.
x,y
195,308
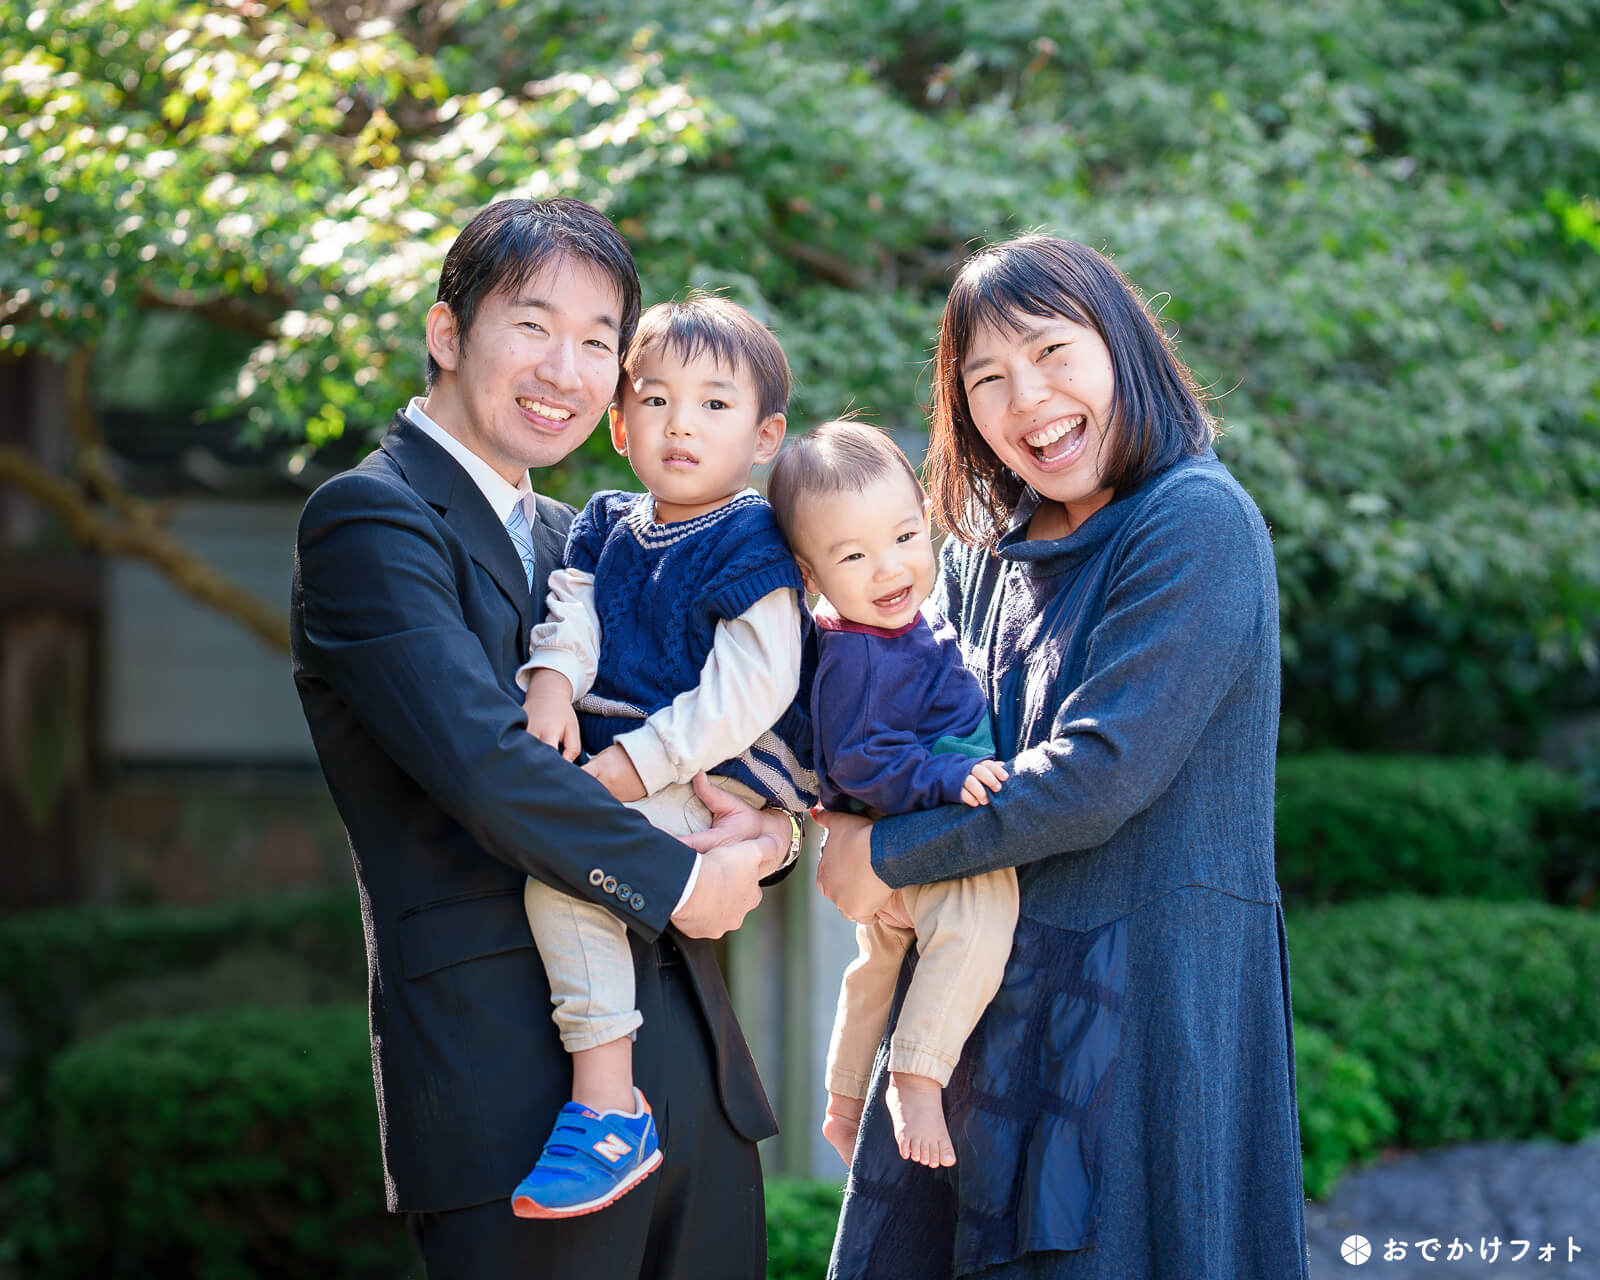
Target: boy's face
x,y
691,430
868,550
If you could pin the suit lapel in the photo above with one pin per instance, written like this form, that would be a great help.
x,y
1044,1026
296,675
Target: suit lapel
x,y
439,479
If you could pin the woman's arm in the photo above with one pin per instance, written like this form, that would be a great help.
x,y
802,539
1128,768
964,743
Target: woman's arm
x,y
1185,613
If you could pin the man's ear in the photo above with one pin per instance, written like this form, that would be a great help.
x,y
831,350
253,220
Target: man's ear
x,y
442,337
619,431
769,438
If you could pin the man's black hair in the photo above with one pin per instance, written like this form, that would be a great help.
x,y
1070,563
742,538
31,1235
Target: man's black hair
x,y
511,241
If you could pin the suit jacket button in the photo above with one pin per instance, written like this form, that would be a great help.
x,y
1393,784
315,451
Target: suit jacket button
x,y
609,884
596,876
637,902
624,892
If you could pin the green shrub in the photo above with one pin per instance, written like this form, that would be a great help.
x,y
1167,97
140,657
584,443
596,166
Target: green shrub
x,y
802,1214
1354,827
55,964
222,1145
1343,1117
245,1144
1479,1018
74,972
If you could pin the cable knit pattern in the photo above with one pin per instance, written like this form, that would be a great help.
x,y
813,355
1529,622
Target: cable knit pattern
x,y
660,591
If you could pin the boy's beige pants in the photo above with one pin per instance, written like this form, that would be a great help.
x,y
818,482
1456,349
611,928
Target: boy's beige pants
x,y
963,936
585,947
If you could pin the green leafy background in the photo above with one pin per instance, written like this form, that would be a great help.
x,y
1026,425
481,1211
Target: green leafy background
x,y
1373,224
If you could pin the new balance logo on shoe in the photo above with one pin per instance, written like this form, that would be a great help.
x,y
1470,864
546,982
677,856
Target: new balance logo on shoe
x,y
612,1147
590,1160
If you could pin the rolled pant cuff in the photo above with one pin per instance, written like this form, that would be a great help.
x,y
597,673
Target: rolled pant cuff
x,y
848,1084
920,1060
591,1033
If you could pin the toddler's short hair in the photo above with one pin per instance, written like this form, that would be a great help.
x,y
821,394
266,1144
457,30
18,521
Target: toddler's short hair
x,y
703,323
836,456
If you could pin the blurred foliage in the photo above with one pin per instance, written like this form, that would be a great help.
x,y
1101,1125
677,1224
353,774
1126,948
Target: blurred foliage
x,y
1352,827
1478,1017
1375,225
240,1144
1343,1117
802,1215
68,974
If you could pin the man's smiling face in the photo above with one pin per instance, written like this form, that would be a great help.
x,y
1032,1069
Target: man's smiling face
x,y
537,370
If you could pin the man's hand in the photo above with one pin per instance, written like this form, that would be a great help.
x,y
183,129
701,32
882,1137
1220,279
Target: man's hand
x,y
733,820
727,889
844,873
988,774
551,719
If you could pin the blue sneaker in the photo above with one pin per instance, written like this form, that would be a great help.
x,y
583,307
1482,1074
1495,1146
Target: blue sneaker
x,y
592,1159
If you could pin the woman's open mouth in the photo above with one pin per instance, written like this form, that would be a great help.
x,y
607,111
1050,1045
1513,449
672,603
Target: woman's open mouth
x,y
1059,441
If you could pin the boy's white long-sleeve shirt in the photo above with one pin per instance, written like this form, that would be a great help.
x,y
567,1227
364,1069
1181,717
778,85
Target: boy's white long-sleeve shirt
x,y
749,678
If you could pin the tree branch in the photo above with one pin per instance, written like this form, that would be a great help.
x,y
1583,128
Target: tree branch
x,y
139,537
223,310
829,266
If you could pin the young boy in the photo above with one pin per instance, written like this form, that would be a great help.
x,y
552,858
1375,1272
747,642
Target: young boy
x,y
676,627
900,725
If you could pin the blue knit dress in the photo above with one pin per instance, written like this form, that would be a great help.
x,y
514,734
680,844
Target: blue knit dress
x,y
1125,1108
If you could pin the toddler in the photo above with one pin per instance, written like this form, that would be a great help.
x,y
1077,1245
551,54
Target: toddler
x,y
676,627
900,725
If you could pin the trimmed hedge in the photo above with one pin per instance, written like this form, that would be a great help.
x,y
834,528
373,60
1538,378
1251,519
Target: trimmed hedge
x,y
74,972
53,963
802,1214
1355,827
227,1146
1343,1117
243,1144
1479,1018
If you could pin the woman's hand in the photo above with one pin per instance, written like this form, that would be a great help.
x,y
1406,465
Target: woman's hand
x,y
844,873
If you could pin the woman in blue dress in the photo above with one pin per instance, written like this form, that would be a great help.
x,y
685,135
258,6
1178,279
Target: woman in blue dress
x,y
1126,1107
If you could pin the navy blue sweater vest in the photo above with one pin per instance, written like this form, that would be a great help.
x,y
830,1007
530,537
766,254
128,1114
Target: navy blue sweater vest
x,y
660,591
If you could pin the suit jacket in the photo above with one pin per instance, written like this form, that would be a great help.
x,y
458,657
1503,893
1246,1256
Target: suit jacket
x,y
409,618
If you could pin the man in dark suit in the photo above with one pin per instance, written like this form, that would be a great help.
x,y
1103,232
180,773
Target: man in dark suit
x,y
418,576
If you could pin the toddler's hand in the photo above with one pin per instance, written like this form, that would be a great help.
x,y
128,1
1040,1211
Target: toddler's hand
x,y
614,770
988,774
548,705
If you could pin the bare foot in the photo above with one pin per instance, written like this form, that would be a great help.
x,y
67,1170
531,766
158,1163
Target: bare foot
x,y
841,1125
916,1105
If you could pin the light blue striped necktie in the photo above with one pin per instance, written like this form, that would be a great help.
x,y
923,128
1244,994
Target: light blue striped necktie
x,y
522,538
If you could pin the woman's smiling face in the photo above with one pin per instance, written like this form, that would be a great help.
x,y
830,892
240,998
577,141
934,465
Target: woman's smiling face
x,y
1041,397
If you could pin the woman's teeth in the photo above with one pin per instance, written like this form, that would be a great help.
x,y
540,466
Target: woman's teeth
x,y
1041,440
544,410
